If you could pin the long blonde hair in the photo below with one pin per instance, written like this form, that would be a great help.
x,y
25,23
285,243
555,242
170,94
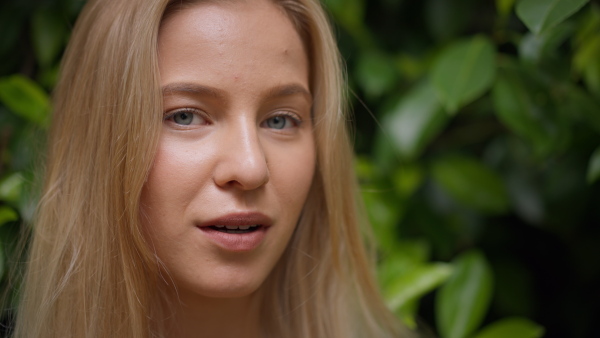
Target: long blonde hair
x,y
91,273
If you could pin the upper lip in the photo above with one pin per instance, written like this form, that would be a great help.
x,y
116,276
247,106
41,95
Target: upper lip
x,y
239,219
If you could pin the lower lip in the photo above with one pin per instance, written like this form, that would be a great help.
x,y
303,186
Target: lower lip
x,y
236,242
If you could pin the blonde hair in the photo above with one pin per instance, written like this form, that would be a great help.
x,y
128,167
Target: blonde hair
x,y
91,273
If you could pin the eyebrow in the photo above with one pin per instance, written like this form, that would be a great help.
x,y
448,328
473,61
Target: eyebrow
x,y
192,88
196,89
289,90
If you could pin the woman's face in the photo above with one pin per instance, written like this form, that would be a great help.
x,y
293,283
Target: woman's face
x,y
236,156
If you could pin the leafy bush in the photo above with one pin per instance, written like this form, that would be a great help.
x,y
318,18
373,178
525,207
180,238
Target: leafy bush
x,y
481,169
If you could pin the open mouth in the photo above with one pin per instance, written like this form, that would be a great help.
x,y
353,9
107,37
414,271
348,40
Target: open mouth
x,y
236,229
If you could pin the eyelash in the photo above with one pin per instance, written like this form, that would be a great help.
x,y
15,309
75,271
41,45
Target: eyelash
x,y
296,120
292,116
193,111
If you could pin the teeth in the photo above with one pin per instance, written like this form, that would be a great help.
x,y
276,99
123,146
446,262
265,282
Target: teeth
x,y
236,227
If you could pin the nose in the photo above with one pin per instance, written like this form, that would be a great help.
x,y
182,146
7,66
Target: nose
x,y
243,162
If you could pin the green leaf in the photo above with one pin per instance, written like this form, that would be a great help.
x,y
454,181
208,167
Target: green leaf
x,y
540,15
471,183
504,7
579,104
513,328
383,214
463,72
25,98
587,62
593,172
7,214
463,300
48,34
447,19
515,107
375,73
416,283
415,120
11,187
2,259
536,47
350,15
407,179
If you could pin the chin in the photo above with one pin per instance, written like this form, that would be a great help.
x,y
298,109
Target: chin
x,y
221,289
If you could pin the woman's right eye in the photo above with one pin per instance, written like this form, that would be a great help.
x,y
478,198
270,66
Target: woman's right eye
x,y
186,117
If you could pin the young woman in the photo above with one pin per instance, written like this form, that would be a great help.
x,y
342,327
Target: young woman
x,y
199,180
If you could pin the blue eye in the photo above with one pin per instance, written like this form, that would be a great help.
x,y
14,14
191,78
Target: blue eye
x,y
282,122
183,118
277,122
186,117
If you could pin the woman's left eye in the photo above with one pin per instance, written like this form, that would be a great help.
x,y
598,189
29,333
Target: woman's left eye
x,y
282,122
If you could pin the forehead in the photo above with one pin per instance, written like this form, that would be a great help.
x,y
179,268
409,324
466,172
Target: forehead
x,y
232,38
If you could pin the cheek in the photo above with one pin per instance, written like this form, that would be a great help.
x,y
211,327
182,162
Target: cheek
x,y
176,175
292,174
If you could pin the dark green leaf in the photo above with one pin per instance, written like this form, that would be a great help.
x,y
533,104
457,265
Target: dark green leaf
x,y
25,98
593,172
463,72
2,259
471,183
540,15
504,7
415,120
463,301
587,62
384,214
48,36
517,110
581,107
447,19
7,214
512,328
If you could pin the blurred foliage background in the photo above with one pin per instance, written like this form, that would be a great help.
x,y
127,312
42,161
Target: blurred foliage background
x,y
478,141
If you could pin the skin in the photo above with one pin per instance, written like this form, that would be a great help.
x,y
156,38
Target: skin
x,y
238,72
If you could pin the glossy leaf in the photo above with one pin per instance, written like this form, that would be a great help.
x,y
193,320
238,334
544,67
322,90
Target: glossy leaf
x,y
48,36
463,72
512,328
541,15
537,47
25,98
7,214
415,120
11,187
463,300
471,183
593,172
416,283
515,107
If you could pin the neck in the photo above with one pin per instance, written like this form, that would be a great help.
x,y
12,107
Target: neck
x,y
217,317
